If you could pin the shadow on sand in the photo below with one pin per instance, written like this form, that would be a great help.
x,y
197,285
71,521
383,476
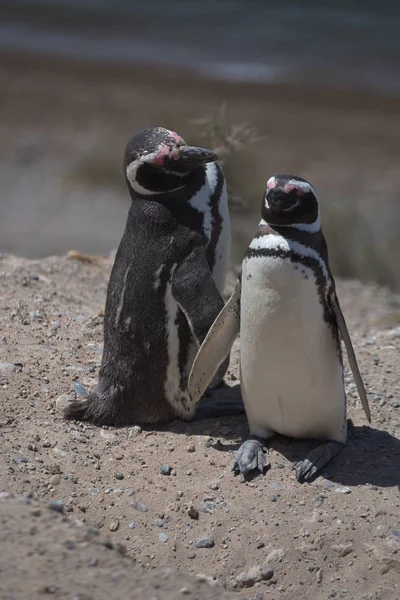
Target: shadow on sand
x,y
371,456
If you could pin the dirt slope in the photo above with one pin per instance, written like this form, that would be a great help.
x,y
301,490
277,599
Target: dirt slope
x,y
270,537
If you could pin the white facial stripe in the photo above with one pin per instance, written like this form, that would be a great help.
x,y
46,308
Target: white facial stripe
x,y
277,242
303,185
131,171
201,200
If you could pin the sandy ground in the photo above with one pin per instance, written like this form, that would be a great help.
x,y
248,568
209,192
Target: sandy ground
x,y
269,536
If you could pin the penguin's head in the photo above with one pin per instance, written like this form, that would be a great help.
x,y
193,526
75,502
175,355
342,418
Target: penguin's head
x,y
158,161
291,201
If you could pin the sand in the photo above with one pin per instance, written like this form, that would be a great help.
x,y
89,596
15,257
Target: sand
x,y
338,537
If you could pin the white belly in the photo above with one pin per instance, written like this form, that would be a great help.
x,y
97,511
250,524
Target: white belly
x,y
291,378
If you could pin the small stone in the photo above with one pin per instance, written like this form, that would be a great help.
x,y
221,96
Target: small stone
x,y
63,401
274,498
276,555
204,541
193,512
209,506
260,545
119,475
396,532
343,549
191,448
21,459
80,390
113,525
5,366
55,479
57,506
163,537
165,469
36,315
139,506
159,523
266,573
343,490
132,525
214,486
395,404
318,501
135,431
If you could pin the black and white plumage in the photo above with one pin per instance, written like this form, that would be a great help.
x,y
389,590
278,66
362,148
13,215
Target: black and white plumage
x,y
286,308
165,287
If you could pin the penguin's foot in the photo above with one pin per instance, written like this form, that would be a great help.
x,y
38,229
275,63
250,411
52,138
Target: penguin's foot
x,y
210,407
318,458
251,455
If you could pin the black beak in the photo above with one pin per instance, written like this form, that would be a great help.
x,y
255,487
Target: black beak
x,y
191,155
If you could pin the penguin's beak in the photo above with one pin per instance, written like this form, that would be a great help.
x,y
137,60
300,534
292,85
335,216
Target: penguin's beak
x,y
191,155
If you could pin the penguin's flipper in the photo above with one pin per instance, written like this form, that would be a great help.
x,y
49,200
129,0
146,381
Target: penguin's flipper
x,y
194,290
351,355
216,345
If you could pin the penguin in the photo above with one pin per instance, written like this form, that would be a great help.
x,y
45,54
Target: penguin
x,y
287,311
165,287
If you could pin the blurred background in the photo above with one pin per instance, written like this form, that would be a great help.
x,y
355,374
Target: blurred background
x,y
306,87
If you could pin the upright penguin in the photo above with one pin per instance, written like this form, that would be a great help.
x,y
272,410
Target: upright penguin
x,y
165,287
288,313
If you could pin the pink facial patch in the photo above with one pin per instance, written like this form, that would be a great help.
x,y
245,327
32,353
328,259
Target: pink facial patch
x,y
161,154
289,188
271,183
177,138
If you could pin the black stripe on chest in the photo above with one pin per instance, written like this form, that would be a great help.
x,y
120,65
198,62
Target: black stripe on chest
x,y
325,285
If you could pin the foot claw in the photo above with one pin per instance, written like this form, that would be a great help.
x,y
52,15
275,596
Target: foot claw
x,y
316,460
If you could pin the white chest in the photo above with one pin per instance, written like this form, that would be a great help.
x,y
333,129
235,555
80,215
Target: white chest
x,y
215,219
291,376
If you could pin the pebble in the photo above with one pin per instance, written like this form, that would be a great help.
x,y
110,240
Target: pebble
x,y
159,523
132,525
163,537
204,541
209,507
113,525
343,549
254,575
274,498
343,490
396,532
107,435
276,555
135,431
318,501
191,448
55,479
63,401
79,389
165,469
57,506
193,512
21,459
5,366
214,486
139,506
119,475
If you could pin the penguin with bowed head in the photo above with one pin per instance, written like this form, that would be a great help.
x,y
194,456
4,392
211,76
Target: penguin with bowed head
x,y
165,287
290,321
